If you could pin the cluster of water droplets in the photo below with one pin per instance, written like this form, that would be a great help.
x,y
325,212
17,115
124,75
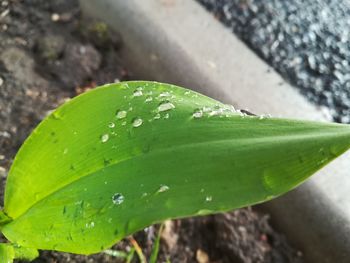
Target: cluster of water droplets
x,y
163,108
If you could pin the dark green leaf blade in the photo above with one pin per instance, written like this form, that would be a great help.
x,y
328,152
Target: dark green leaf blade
x,y
124,156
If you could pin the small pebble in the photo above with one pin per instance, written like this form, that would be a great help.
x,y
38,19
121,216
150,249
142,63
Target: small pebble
x,y
2,172
55,17
202,256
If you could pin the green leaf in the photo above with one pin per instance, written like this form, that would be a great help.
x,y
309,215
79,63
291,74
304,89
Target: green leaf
x,y
121,157
9,252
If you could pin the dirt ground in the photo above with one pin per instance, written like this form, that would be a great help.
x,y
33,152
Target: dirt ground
x,y
49,54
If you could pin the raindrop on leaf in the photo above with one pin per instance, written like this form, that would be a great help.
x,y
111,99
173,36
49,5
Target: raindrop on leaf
x,y
104,138
165,106
137,122
121,114
209,198
197,114
117,198
163,188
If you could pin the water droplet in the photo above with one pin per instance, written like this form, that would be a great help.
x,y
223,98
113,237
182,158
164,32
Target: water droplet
x,y
144,195
206,109
137,122
157,116
216,111
166,116
130,109
123,123
209,198
90,225
104,138
111,125
197,114
164,94
65,151
163,188
117,198
138,92
165,106
149,99
187,93
121,114
202,190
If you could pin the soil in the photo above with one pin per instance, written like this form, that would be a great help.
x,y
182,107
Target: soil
x,y
49,54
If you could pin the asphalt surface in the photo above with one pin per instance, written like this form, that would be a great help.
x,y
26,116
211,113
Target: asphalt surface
x,y
306,41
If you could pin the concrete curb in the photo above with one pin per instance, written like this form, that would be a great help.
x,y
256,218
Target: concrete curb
x,y
177,41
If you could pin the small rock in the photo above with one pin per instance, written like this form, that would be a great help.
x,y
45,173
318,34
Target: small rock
x,y
168,235
202,256
55,17
22,66
51,47
3,172
5,134
79,63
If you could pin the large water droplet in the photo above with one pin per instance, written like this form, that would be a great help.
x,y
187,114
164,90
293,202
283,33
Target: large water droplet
x,y
138,92
137,122
163,188
104,138
165,106
121,114
118,198
164,94
197,114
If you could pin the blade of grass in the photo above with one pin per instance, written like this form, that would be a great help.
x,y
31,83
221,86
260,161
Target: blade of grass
x,y
131,255
138,249
155,250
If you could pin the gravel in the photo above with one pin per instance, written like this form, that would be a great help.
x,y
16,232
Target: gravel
x,y
306,41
